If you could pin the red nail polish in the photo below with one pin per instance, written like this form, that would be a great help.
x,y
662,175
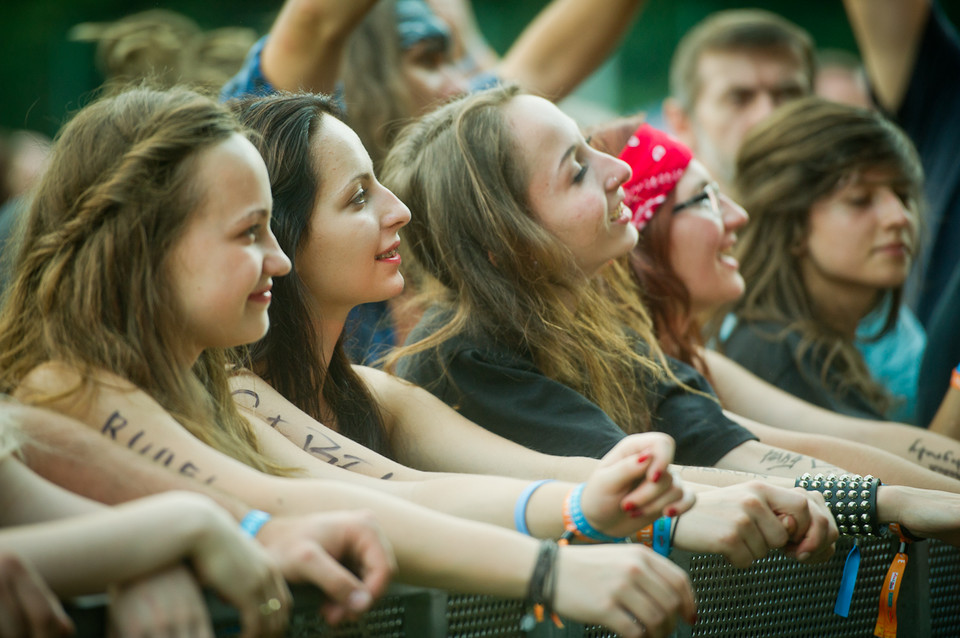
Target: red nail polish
x,y
629,507
656,476
637,513
643,458
671,512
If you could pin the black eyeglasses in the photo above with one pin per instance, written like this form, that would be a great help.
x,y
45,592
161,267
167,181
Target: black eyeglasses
x,y
708,199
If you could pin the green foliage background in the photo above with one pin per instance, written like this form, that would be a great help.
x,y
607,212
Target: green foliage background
x,y
44,77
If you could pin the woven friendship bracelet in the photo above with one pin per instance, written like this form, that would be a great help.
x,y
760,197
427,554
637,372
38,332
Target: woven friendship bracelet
x,y
542,587
851,498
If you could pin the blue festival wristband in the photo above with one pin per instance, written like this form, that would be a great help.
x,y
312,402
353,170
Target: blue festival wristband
x,y
253,521
580,521
661,536
520,509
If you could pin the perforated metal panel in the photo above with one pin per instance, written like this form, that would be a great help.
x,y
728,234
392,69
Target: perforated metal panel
x,y
483,617
779,596
775,597
385,620
944,562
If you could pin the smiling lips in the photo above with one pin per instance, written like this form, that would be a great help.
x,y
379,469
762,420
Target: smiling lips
x,y
263,295
620,214
392,255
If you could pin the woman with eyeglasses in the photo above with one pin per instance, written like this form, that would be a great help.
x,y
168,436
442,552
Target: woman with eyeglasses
x,y
685,272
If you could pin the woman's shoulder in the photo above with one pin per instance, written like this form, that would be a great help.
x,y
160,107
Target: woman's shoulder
x,y
56,378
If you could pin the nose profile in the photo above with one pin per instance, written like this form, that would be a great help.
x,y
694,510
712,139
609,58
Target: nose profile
x,y
397,214
892,209
275,261
734,215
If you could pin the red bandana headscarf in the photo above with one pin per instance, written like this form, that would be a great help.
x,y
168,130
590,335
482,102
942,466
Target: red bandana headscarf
x,y
658,162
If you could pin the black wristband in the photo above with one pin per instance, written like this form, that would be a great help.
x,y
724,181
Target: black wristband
x,y
542,585
851,498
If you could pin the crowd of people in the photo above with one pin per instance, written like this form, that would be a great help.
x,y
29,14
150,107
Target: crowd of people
x,y
376,307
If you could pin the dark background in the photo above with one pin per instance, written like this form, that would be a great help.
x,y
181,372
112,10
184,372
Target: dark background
x,y
44,76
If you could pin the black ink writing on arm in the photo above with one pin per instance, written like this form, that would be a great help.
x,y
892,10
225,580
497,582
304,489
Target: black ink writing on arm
x,y
251,393
275,421
114,424
938,460
780,459
165,456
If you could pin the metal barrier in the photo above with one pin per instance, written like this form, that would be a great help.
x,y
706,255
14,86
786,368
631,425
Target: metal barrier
x,y
775,597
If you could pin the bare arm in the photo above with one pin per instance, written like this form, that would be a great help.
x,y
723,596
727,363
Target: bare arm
x,y
565,43
888,33
798,453
748,395
85,553
946,421
306,43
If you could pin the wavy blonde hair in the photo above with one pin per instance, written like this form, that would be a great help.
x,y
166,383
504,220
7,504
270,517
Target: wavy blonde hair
x,y
791,160
91,286
503,276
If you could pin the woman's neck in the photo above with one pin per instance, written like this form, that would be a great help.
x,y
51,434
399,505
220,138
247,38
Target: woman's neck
x,y
329,330
840,305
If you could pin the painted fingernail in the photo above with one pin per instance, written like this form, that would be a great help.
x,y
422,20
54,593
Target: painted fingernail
x,y
637,513
643,458
629,507
671,512
656,476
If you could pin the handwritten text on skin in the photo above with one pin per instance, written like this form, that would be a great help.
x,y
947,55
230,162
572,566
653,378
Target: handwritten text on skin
x,y
116,423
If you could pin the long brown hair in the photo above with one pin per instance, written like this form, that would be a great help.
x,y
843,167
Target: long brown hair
x,y
662,291
501,273
286,125
787,163
91,282
377,100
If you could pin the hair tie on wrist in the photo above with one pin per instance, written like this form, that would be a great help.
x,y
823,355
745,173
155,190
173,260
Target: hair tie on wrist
x,y
520,509
253,521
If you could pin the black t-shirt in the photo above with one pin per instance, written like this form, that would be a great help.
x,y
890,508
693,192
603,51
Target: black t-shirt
x,y
930,115
942,353
504,392
760,348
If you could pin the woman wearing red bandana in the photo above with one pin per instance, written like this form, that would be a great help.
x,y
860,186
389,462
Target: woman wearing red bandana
x,y
685,270
523,337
